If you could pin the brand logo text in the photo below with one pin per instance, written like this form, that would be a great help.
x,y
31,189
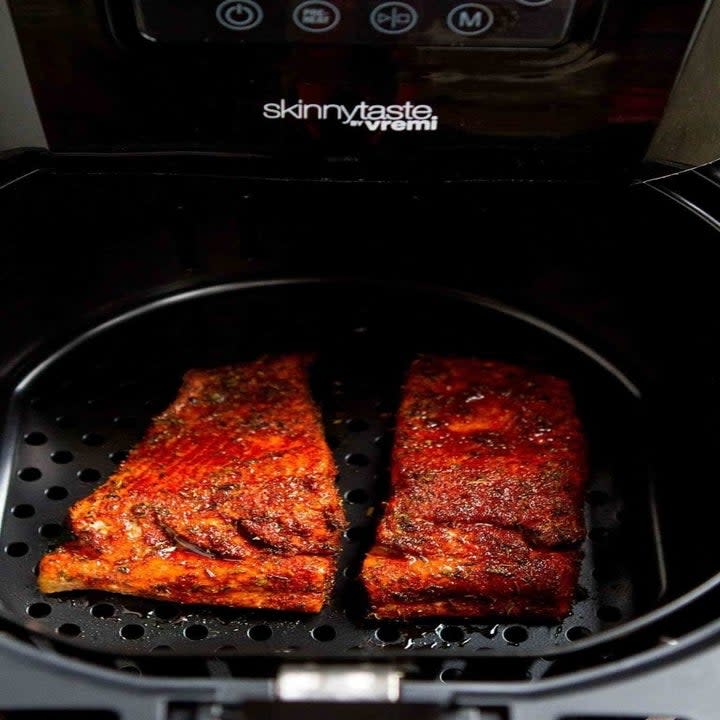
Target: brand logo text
x,y
407,117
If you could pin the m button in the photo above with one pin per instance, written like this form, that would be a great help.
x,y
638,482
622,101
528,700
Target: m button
x,y
470,19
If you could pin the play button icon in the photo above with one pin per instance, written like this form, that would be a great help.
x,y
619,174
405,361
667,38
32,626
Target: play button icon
x,y
394,18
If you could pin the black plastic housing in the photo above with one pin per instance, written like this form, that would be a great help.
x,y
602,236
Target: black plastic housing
x,y
584,107
189,230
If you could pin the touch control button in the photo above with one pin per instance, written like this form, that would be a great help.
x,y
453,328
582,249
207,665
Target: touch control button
x,y
316,16
394,18
239,14
470,19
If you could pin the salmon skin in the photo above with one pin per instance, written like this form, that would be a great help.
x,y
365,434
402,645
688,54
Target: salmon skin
x,y
485,516
229,499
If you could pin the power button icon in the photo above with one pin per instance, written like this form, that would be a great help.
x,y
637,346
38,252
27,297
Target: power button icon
x,y
239,14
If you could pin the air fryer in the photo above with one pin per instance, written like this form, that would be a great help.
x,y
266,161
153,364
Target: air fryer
x,y
189,184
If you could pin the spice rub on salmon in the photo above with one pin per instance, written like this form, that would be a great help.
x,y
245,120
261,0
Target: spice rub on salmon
x,y
229,499
488,473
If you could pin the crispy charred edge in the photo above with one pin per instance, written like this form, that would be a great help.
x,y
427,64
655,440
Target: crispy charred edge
x,y
400,598
190,578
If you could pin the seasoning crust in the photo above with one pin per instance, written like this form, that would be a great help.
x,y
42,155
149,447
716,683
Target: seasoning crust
x,y
485,515
229,499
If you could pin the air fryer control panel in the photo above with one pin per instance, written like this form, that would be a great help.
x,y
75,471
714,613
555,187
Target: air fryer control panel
x,y
490,23
459,89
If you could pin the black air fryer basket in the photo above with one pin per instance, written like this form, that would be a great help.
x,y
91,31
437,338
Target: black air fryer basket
x,y
75,416
119,312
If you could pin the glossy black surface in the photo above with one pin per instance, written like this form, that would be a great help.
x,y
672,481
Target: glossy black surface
x,y
501,23
585,107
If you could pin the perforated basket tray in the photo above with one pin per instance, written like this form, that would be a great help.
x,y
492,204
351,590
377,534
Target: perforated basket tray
x,y
75,412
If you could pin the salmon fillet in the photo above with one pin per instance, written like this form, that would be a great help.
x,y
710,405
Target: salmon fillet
x,y
485,514
229,499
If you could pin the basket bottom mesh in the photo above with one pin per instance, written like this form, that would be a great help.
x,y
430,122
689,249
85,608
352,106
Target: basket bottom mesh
x,y
74,421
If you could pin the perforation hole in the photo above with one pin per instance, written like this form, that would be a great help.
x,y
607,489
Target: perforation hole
x,y
225,649
69,630
132,632
578,633
608,613
452,634
29,474
260,633
39,610
357,534
62,457
515,634
450,674
130,669
118,456
351,571
161,649
166,612
357,459
64,421
102,610
383,441
89,475
388,634
56,492
357,425
51,531
124,422
17,549
23,511
323,633
357,496
36,438
154,404
195,632
93,439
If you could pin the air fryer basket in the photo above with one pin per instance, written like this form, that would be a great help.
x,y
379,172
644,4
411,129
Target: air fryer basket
x,y
78,407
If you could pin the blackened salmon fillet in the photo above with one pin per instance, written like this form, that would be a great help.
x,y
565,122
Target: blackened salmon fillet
x,y
229,499
487,485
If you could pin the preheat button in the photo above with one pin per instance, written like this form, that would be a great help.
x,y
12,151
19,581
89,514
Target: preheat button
x,y
470,19
316,16
239,14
